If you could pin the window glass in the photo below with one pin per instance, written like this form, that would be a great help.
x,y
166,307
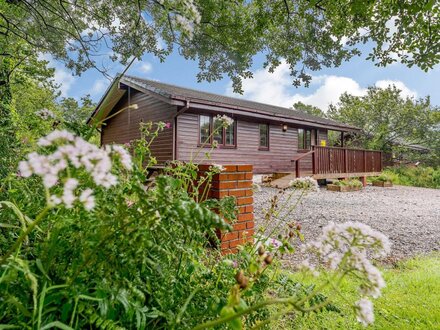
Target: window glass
x,y
230,134
308,139
301,138
264,136
204,129
211,129
218,131
304,138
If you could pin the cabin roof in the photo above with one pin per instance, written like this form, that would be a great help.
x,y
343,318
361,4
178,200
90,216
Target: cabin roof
x,y
177,93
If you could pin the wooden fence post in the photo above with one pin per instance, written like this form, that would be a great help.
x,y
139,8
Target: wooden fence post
x,y
365,161
345,161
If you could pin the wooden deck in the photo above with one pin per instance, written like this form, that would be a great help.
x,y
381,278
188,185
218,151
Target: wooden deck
x,y
335,163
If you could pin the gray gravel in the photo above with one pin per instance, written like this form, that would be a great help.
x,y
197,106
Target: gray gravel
x,y
409,216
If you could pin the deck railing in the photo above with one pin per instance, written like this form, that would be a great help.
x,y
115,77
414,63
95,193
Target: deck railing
x,y
332,160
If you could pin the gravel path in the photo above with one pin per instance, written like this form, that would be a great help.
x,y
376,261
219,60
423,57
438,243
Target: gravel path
x,y
409,216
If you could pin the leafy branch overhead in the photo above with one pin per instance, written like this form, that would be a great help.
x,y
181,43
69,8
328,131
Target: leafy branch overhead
x,y
223,36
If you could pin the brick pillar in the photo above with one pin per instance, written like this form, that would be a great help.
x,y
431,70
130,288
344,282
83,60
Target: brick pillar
x,y
235,180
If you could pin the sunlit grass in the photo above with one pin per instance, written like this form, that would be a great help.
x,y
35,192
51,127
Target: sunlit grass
x,y
411,300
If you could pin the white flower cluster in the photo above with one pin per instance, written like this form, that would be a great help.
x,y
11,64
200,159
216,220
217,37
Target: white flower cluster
x,y
122,153
365,311
224,120
74,151
344,247
306,183
217,168
45,114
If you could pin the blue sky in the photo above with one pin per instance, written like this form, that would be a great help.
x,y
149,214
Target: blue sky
x,y
327,85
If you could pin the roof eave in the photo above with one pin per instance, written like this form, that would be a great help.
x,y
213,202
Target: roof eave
x,y
181,100
299,121
104,103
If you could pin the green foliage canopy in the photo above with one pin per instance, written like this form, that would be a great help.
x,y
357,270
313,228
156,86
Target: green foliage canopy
x,y
310,109
223,36
389,120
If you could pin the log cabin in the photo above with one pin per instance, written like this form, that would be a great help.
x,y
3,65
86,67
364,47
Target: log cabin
x,y
273,139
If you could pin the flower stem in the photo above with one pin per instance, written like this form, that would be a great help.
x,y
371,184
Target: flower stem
x,y
24,234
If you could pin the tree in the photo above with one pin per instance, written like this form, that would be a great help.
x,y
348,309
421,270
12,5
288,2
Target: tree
x,y
387,119
74,111
20,73
29,105
225,35
310,109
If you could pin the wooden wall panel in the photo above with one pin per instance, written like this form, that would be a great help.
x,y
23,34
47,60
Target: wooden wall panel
x,y
283,146
124,127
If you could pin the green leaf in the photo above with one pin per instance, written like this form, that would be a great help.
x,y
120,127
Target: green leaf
x,y
56,324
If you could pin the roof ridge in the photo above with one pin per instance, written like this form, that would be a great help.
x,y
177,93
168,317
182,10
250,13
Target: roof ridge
x,y
231,100
215,94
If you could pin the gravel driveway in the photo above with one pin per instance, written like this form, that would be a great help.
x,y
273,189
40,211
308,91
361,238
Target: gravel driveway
x,y
409,216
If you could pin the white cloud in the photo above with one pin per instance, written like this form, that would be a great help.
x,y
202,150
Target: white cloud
x,y
277,89
145,67
406,92
62,76
65,79
99,86
265,87
332,87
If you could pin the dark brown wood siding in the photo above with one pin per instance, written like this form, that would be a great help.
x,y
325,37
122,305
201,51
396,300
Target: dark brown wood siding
x,y
124,127
283,146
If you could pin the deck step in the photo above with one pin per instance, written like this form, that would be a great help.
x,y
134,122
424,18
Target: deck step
x,y
285,180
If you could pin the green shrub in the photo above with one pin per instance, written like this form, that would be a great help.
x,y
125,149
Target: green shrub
x,y
355,183
384,177
427,177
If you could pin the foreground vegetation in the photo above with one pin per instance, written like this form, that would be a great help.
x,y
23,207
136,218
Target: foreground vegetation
x,y
410,300
427,177
85,244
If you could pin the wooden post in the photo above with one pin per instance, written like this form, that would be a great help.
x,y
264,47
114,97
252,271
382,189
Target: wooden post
x,y
313,162
297,170
364,180
342,139
381,161
365,161
345,160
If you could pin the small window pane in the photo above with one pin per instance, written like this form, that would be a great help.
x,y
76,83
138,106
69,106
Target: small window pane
x,y
301,138
230,134
308,141
264,136
204,129
218,131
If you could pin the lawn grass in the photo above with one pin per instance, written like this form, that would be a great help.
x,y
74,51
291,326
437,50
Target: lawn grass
x,y
411,300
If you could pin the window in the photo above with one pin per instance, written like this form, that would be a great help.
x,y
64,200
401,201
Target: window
x,y
218,131
264,136
205,128
211,130
308,139
304,138
230,135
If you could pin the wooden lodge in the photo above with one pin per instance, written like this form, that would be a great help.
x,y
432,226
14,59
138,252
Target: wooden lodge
x,y
272,139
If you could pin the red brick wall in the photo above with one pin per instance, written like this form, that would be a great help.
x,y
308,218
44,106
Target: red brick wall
x,y
235,180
